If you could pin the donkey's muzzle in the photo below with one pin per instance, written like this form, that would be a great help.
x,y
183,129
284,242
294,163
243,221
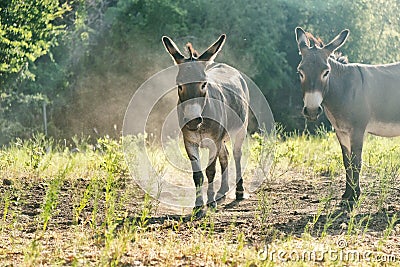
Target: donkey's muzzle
x,y
193,124
312,114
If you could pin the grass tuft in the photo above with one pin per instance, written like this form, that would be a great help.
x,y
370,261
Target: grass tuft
x,y
79,205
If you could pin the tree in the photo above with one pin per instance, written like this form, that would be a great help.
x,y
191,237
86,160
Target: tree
x,y
28,29
85,58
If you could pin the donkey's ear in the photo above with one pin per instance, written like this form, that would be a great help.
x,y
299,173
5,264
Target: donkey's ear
x,y
213,50
338,41
302,40
173,50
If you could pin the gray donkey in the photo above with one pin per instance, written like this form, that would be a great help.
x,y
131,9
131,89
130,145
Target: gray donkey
x,y
357,99
212,107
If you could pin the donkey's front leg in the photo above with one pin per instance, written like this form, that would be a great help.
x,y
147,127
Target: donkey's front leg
x,y
192,151
349,172
213,151
352,163
355,165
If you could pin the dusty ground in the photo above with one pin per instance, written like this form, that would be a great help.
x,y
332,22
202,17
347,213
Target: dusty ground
x,y
284,207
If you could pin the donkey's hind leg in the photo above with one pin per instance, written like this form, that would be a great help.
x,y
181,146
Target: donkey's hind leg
x,y
210,172
237,155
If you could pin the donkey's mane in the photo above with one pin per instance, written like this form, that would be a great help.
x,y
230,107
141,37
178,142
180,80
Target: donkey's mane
x,y
317,42
314,41
191,50
339,57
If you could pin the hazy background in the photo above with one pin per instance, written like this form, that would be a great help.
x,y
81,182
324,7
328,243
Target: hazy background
x,y
84,59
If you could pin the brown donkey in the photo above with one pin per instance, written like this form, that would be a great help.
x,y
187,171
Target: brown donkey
x,y
357,99
212,107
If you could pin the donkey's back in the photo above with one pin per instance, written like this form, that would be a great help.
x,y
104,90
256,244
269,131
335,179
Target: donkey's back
x,y
228,86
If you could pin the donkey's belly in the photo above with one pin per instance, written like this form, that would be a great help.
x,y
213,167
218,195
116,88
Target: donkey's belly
x,y
383,129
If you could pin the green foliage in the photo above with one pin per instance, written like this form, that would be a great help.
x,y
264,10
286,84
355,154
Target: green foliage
x,y
27,31
85,58
51,199
374,27
113,155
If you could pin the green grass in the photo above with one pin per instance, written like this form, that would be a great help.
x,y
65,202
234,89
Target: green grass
x,y
78,205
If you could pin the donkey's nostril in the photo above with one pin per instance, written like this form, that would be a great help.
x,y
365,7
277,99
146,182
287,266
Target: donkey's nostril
x,y
312,114
305,111
197,120
320,110
193,124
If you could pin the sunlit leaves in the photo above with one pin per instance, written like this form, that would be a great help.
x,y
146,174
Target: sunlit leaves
x,y
27,31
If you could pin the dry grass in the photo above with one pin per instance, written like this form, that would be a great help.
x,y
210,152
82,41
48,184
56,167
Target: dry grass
x,y
80,207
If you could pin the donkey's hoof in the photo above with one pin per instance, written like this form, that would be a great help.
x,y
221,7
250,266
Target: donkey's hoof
x,y
212,205
348,204
239,195
197,213
349,199
220,199
351,195
347,196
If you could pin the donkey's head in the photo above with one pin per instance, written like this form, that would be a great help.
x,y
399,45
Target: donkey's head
x,y
191,79
314,69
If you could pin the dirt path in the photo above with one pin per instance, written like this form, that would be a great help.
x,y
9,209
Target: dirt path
x,y
289,205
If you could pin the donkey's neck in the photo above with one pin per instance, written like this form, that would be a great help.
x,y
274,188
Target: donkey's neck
x,y
341,91
339,71
340,87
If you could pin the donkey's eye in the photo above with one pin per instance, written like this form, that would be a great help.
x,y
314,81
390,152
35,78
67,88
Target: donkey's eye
x,y
325,74
300,74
